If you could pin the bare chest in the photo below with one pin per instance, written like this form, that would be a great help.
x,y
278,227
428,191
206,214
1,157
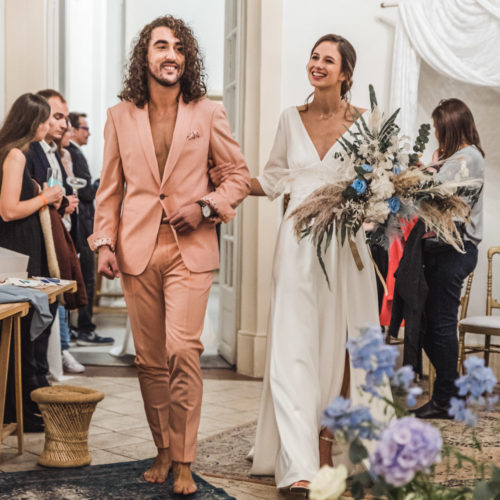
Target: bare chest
x,y
162,131
324,133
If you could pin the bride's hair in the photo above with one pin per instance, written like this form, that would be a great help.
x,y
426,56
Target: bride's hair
x,y
348,63
454,126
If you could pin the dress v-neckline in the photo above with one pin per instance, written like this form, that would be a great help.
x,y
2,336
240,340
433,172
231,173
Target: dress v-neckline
x,y
306,132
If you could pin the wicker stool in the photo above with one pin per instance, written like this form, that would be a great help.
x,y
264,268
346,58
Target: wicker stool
x,y
66,411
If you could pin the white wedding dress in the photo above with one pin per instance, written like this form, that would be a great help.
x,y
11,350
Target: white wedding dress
x,y
309,323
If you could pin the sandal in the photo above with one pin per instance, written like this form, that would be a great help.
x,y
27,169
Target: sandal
x,y
300,488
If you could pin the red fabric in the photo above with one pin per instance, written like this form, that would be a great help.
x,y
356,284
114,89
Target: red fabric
x,y
395,254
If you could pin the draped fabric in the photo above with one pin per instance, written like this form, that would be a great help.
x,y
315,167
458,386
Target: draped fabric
x,y
457,38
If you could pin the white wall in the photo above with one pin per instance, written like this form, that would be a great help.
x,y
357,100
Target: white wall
x,y
360,21
206,20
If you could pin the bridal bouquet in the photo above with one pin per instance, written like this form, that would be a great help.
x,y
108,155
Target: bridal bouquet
x,y
380,182
406,450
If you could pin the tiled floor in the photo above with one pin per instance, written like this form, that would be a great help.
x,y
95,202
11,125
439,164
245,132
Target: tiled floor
x,y
119,431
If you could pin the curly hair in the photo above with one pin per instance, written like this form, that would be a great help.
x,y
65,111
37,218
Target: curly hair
x,y
192,82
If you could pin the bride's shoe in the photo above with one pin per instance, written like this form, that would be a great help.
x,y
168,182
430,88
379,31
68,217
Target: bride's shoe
x,y
299,488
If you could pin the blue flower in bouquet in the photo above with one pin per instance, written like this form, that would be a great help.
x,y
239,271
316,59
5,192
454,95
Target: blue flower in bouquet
x,y
394,204
366,167
396,169
406,446
370,353
479,379
359,186
351,422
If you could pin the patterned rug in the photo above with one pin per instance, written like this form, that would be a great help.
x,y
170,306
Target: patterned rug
x,y
99,482
224,455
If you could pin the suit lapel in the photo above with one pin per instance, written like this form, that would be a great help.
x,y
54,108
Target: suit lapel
x,y
181,131
146,138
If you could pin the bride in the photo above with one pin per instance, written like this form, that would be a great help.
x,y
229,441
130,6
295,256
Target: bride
x,y
307,363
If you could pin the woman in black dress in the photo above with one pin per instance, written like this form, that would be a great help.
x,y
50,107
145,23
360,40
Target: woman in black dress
x,y
20,230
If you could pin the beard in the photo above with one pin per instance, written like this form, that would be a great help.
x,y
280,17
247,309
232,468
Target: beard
x,y
162,82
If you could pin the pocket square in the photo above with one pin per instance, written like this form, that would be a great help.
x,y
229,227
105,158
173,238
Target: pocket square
x,y
193,135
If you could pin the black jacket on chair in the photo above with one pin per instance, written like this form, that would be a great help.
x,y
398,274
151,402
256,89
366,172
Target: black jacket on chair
x,y
410,294
86,196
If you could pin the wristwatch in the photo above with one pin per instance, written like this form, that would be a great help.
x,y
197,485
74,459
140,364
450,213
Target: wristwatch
x,y
206,211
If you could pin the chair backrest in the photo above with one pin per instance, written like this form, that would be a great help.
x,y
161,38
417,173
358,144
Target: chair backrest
x,y
491,303
464,300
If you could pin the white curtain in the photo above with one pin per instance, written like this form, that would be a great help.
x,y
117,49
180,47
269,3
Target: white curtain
x,y
457,38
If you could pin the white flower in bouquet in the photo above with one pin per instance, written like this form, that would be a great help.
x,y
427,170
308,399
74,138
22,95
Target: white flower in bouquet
x,y
381,186
329,483
375,119
377,212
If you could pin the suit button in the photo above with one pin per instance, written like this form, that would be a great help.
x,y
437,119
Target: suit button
x,y
162,196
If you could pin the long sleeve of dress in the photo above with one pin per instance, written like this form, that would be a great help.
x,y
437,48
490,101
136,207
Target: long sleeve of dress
x,y
276,168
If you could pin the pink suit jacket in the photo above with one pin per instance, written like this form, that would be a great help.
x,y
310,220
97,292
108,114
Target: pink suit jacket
x,y
131,197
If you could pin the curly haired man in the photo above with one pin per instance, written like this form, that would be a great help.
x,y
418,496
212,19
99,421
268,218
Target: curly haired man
x,y
155,227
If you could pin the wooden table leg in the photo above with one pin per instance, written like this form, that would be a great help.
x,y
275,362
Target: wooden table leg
x,y
4,367
19,384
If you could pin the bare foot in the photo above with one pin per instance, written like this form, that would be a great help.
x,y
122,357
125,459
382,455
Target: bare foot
x,y
326,440
159,470
183,480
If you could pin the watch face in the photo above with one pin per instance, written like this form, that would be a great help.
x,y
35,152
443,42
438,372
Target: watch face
x,y
206,211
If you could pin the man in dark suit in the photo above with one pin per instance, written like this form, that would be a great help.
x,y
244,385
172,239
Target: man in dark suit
x,y
81,133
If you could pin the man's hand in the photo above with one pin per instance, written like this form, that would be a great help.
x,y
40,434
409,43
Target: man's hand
x,y
187,219
106,263
73,203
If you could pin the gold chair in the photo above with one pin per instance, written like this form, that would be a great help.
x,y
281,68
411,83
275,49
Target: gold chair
x,y
487,325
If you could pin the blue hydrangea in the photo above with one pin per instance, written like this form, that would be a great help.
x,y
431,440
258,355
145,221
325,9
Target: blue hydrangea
x,y
459,411
359,186
404,377
370,353
479,379
351,422
411,396
405,447
366,167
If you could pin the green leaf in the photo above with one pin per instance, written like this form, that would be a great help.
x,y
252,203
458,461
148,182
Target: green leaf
x,y
329,234
321,261
390,122
373,97
357,491
482,491
357,451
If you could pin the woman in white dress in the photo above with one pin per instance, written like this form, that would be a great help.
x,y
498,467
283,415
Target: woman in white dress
x,y
309,324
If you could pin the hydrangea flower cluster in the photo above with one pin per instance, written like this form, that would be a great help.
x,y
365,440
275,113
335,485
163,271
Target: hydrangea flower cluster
x,y
474,385
402,379
341,417
370,353
405,447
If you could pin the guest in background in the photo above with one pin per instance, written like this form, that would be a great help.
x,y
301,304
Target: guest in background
x,y
87,335
20,230
446,269
70,364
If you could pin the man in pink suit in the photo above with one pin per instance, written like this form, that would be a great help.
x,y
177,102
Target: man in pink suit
x,y
155,227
